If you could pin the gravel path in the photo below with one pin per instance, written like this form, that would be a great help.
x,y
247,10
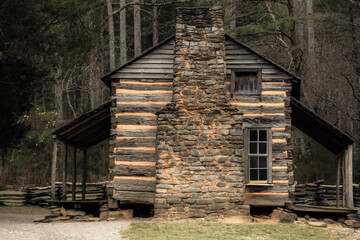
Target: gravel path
x,y
19,226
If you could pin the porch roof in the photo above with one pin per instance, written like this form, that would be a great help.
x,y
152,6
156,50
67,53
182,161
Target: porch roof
x,y
318,128
88,129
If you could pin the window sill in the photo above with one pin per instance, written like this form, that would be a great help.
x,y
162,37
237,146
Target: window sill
x,y
259,184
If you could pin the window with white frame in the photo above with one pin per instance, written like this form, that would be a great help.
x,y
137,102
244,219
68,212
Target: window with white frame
x,y
259,154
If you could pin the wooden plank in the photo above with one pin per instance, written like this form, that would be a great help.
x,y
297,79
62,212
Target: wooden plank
x,y
151,107
84,176
161,61
135,185
127,197
264,121
260,109
266,200
144,75
145,97
64,187
53,168
321,209
271,188
137,142
136,120
134,170
151,66
338,174
147,70
74,176
349,196
150,87
135,133
137,156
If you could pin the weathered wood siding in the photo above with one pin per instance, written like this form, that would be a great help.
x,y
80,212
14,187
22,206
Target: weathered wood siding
x,y
145,86
140,90
271,109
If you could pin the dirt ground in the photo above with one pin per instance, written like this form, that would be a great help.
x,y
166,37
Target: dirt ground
x,y
20,226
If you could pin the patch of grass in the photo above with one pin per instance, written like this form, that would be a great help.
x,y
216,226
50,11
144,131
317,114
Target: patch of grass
x,y
228,231
35,210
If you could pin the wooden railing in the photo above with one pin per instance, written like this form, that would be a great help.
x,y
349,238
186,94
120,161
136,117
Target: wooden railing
x,y
42,195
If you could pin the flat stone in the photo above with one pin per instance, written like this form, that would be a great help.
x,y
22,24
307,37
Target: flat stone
x,y
104,207
312,219
328,221
287,216
61,218
349,223
276,214
103,215
63,211
73,213
93,219
317,224
39,219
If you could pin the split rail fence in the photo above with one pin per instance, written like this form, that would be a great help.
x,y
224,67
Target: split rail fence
x,y
318,194
42,195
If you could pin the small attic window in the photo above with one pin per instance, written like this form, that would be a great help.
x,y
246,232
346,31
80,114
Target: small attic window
x,y
246,82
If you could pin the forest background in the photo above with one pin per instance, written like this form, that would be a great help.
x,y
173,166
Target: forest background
x,y
53,54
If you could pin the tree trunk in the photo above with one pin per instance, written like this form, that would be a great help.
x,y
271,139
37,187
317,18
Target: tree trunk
x,y
155,23
59,97
137,29
311,34
296,51
111,36
3,163
123,50
230,12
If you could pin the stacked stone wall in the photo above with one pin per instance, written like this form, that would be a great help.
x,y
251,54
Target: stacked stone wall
x,y
200,169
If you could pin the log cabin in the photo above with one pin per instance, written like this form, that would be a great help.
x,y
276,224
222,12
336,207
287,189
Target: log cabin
x,y
200,125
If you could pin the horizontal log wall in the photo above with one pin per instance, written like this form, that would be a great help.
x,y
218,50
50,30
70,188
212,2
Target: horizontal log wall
x,y
140,90
270,109
42,195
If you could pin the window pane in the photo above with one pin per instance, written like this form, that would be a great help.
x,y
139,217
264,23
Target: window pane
x,y
253,147
254,162
262,162
254,175
262,174
262,148
262,135
253,135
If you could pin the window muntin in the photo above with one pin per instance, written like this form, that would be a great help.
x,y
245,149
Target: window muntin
x,y
258,154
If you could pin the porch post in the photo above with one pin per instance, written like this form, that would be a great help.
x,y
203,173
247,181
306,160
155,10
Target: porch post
x,y
349,177
338,174
64,188
84,175
74,176
53,168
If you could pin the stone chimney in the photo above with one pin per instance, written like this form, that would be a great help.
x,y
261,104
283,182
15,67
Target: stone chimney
x,y
199,69
200,170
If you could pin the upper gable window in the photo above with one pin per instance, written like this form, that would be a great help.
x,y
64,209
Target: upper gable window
x,y
246,82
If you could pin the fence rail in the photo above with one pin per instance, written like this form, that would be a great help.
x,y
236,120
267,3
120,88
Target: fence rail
x,y
42,195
